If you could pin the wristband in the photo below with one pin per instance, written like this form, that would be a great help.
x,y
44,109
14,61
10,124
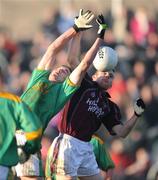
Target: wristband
x,y
138,115
75,28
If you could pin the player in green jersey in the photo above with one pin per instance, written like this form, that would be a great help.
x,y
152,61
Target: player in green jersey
x,y
48,91
14,114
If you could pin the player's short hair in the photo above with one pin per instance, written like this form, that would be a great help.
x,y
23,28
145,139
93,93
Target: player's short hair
x,y
67,67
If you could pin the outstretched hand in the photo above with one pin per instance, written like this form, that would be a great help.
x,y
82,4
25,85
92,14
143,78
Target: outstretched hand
x,y
83,20
102,26
139,107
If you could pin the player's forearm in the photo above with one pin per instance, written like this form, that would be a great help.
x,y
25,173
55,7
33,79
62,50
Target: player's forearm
x,y
124,130
48,59
90,55
62,40
77,75
74,51
127,127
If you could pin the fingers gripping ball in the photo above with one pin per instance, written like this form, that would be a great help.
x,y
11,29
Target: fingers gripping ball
x,y
106,59
139,107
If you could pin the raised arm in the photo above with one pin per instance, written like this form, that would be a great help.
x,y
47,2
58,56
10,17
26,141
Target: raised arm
x,y
77,75
81,23
74,51
125,129
48,59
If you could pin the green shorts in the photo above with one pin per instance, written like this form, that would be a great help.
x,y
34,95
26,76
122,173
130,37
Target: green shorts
x,y
103,158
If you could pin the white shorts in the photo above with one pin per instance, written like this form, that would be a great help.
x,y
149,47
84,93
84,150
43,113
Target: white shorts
x,y
32,167
75,157
4,172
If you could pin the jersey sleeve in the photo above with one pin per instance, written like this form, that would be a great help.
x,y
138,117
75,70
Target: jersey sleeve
x,y
31,125
113,118
37,75
66,90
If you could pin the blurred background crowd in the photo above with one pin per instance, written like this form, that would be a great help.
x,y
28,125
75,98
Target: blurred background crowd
x,y
133,33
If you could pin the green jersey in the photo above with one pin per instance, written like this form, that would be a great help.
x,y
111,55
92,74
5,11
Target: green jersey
x,y
102,156
45,98
14,115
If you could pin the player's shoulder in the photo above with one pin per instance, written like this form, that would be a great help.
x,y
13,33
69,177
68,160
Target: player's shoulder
x,y
10,96
113,106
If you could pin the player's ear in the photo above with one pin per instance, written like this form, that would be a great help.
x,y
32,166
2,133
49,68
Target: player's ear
x,y
94,76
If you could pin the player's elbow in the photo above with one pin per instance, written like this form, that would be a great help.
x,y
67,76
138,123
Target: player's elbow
x,y
122,133
85,65
52,49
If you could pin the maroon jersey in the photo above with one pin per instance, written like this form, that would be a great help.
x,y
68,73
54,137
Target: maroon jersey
x,y
88,108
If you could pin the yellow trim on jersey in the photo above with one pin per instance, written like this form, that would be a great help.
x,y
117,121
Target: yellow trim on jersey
x,y
70,82
99,139
10,96
37,69
33,135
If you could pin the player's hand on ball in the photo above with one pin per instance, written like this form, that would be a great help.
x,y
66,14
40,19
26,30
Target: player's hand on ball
x,y
20,138
102,26
139,107
83,20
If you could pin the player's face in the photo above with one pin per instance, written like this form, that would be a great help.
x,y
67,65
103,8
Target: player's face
x,y
59,74
104,79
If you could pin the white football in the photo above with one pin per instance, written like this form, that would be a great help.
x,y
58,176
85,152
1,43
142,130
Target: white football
x,y
106,59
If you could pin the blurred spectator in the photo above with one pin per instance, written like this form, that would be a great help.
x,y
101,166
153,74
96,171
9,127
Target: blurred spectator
x,y
119,14
2,85
151,112
12,78
120,157
132,88
150,117
49,22
118,90
7,45
23,80
127,52
66,15
110,39
141,26
139,71
138,169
